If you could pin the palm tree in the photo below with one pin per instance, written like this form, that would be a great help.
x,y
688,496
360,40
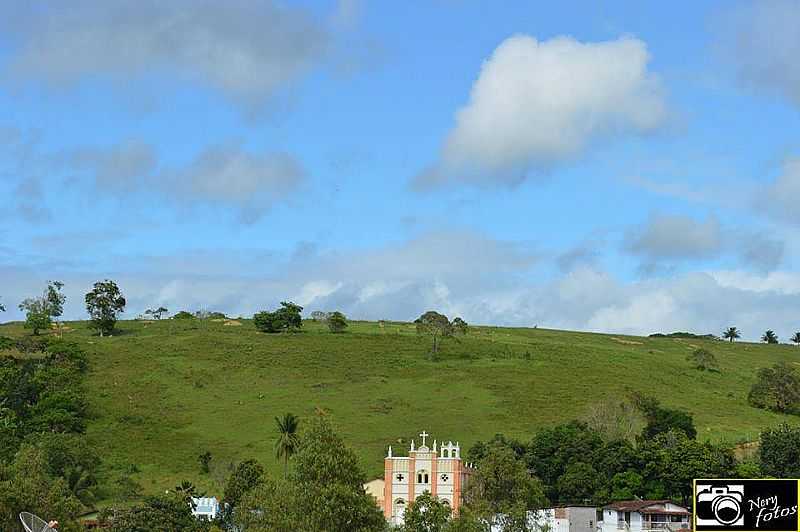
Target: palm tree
x,y
731,334
286,444
796,338
770,337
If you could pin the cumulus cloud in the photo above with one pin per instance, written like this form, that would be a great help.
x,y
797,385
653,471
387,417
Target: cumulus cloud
x,y
762,41
539,103
248,50
666,239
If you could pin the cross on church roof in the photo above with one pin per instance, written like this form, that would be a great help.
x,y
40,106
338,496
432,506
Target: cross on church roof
x,y
423,435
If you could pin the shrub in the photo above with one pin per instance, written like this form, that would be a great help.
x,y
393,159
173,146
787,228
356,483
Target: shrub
x,y
183,315
703,359
337,322
286,318
777,389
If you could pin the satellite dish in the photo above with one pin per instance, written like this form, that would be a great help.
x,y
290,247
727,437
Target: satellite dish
x,y
34,524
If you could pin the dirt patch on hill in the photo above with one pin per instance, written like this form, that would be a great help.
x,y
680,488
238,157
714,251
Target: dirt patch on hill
x,y
232,323
626,342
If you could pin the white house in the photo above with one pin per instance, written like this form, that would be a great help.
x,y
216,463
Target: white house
x,y
207,507
561,519
644,516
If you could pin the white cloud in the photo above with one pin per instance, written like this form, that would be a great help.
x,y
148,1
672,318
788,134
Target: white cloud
x,y
762,41
315,290
246,49
784,283
536,104
485,281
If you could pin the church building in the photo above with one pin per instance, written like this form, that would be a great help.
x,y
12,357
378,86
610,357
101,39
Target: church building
x,y
439,471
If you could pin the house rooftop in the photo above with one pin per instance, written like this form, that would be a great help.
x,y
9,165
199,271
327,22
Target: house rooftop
x,y
647,507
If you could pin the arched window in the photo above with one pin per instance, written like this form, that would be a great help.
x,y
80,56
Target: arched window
x,y
399,507
446,453
422,477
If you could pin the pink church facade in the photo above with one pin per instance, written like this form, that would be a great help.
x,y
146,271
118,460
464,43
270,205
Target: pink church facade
x,y
439,471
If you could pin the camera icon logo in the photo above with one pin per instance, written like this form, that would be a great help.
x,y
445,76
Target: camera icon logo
x,y
719,505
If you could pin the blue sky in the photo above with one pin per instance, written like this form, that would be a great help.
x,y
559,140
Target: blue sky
x,y
615,166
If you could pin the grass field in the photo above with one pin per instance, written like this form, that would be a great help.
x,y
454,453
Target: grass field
x,y
164,392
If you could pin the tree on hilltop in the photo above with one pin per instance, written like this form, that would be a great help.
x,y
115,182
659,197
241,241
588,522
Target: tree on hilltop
x,y
287,318
796,338
103,303
731,334
40,311
770,337
435,325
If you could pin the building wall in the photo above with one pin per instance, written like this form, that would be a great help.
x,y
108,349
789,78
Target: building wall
x,y
446,479
582,519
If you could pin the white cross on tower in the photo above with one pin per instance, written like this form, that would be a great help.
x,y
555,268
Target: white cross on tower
x,y
423,435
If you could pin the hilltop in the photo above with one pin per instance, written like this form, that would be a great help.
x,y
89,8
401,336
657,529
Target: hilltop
x,y
163,392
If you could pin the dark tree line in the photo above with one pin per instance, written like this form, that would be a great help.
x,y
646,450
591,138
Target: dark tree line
x,y
46,465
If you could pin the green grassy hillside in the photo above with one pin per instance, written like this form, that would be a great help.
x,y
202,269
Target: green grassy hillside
x,y
163,392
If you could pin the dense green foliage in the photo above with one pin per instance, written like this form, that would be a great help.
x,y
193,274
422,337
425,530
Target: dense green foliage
x,y
244,478
324,491
337,322
427,513
286,318
683,334
576,464
780,451
660,419
503,490
776,388
50,468
163,512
